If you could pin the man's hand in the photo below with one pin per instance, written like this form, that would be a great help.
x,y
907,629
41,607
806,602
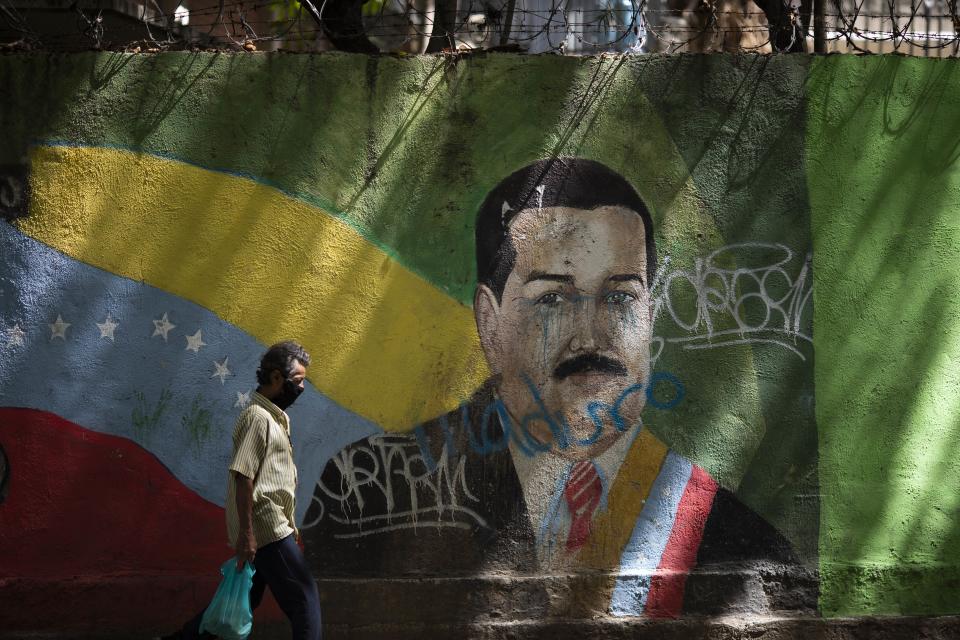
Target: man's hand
x,y
246,548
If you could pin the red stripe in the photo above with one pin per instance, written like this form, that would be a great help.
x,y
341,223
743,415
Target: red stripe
x,y
81,502
581,478
665,599
95,530
575,487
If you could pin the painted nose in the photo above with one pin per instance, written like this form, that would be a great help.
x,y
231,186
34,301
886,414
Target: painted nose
x,y
586,336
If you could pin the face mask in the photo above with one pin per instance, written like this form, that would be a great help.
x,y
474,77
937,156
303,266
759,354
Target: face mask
x,y
288,394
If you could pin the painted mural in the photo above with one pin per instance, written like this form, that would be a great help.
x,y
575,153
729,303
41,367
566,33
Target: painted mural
x,y
548,466
561,313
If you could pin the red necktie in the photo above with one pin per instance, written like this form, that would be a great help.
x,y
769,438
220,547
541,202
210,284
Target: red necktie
x,y
582,494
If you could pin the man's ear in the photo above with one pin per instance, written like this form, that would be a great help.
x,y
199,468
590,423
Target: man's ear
x,y
486,311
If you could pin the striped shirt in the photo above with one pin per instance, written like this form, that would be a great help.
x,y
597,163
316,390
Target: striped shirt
x,y
263,451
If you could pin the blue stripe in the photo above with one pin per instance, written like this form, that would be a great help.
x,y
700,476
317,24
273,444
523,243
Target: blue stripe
x,y
137,386
643,552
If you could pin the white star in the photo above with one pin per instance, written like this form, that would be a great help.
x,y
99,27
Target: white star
x,y
107,327
16,336
59,329
243,399
220,370
195,341
162,327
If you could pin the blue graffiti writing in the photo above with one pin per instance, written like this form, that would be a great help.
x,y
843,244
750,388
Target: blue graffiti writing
x,y
487,440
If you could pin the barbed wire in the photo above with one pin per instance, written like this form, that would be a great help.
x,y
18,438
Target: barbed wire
x,y
918,27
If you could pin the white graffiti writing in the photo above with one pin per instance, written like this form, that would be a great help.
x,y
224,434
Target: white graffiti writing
x,y
745,304
391,470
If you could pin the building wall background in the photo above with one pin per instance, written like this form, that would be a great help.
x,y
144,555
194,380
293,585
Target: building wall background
x,y
169,216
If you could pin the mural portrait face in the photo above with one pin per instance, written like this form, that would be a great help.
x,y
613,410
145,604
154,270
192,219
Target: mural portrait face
x,y
573,326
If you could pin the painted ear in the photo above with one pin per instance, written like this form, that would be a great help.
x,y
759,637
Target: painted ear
x,y
486,311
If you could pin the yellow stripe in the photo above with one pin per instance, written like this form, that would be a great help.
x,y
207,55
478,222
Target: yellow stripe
x,y
385,343
613,527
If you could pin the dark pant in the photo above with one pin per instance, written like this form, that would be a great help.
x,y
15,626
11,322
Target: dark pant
x,y
281,566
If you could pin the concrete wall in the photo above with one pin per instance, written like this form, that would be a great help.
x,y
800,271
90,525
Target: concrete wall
x,y
771,422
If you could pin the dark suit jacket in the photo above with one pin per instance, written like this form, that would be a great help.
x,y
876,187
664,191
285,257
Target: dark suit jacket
x,y
445,502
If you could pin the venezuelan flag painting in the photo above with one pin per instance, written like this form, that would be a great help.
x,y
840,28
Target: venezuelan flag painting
x,y
134,323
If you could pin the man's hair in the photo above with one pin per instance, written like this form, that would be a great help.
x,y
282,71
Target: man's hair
x,y
280,357
555,182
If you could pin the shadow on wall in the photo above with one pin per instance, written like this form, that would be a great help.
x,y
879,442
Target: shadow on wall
x,y
14,191
884,155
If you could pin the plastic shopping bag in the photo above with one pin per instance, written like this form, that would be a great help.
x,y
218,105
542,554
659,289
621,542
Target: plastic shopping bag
x,y
229,615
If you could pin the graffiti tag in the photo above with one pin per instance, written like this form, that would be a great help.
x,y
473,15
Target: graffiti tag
x,y
394,469
764,304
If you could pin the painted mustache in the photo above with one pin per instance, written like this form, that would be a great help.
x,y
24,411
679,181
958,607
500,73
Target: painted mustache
x,y
589,363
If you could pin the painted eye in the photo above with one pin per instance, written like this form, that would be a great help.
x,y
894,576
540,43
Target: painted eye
x,y
550,299
620,297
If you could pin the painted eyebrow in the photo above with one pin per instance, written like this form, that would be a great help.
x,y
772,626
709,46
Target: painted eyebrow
x,y
626,277
552,277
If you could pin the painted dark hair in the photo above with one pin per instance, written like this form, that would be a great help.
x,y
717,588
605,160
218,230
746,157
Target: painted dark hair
x,y
280,357
556,182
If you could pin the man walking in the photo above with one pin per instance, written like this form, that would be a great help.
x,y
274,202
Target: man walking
x,y
260,496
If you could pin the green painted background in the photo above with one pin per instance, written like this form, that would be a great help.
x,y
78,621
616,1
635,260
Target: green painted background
x,y
883,142
851,159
